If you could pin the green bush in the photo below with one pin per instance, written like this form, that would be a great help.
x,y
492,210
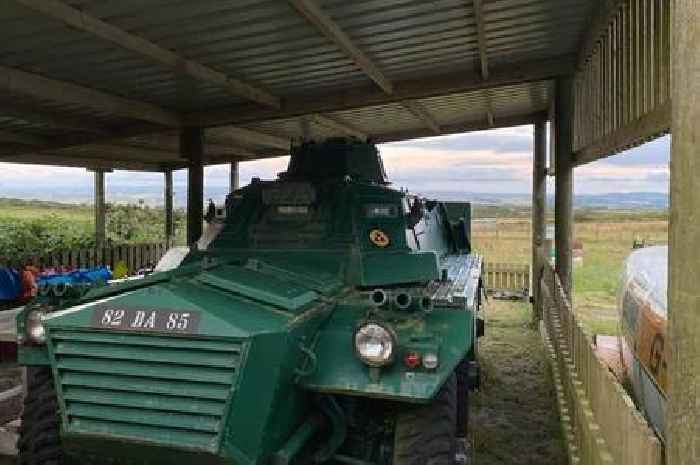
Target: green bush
x,y
40,234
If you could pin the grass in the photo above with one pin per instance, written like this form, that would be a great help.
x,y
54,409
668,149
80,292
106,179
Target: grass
x,y
514,417
606,243
31,209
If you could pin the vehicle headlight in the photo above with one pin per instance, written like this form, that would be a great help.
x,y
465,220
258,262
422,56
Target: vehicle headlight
x,y
34,327
375,344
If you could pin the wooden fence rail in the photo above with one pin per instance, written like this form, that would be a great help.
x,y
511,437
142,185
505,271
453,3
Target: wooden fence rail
x,y
599,420
135,257
509,278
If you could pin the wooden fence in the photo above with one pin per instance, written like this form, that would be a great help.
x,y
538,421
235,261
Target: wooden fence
x,y
510,279
600,422
135,257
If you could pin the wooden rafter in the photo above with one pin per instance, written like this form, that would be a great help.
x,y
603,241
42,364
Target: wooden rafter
x,y
86,161
95,26
332,31
481,39
36,114
19,138
34,85
324,23
338,125
247,137
483,55
419,88
418,110
457,128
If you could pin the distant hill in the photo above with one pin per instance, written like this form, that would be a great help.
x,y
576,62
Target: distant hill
x,y
613,201
154,196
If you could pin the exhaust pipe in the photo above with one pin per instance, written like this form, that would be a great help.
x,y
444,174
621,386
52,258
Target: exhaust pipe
x,y
378,297
402,300
426,304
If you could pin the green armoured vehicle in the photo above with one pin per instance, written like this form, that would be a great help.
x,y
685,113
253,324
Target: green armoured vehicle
x,y
331,320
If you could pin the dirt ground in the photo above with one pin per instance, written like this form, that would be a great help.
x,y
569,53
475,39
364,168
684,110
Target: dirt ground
x,y
513,417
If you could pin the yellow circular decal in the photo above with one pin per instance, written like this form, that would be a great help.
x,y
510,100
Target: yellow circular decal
x,y
379,238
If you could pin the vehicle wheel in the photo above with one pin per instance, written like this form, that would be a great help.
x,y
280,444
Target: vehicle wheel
x,y
426,434
39,439
463,386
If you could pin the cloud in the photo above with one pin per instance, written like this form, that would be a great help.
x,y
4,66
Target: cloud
x,y
495,161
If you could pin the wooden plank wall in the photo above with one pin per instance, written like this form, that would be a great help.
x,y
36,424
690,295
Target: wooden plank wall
x,y
622,90
136,257
600,421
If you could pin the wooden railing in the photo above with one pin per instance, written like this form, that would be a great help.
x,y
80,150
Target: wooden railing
x,y
507,278
135,257
600,422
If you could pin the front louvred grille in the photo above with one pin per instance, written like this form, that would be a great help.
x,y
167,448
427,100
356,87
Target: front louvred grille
x,y
167,390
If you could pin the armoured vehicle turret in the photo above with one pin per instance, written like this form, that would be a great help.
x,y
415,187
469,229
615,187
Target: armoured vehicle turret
x,y
331,319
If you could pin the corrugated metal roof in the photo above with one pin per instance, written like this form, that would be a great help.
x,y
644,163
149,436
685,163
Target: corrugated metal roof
x,y
269,45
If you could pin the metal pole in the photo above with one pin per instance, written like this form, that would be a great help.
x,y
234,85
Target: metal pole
x,y
100,209
683,413
539,208
234,182
169,227
564,182
192,149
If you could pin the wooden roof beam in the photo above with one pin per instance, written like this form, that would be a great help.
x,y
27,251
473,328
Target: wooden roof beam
x,y
95,26
20,138
481,39
36,114
461,127
410,89
483,55
418,110
85,161
338,125
248,137
34,85
324,23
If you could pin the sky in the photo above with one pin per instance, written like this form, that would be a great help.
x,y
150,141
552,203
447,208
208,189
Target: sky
x,y
498,161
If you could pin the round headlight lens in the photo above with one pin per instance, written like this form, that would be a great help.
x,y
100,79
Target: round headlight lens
x,y
374,344
35,328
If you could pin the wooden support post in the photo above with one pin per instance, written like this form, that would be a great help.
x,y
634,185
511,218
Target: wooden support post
x,y
168,203
192,149
564,182
539,208
234,181
100,209
683,414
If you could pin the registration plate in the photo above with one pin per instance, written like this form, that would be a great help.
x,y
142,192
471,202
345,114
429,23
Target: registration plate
x,y
145,319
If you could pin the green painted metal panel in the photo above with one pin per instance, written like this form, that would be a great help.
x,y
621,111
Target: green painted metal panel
x,y
160,371
340,371
143,417
146,385
257,286
382,268
173,437
120,398
155,354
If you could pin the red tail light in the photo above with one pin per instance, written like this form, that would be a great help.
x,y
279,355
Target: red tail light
x,y
412,360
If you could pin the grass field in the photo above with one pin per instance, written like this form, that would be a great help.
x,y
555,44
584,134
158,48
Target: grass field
x,y
606,243
23,210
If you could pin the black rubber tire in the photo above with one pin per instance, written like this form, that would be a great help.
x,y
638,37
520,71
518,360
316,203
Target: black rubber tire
x,y
39,438
426,434
462,373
